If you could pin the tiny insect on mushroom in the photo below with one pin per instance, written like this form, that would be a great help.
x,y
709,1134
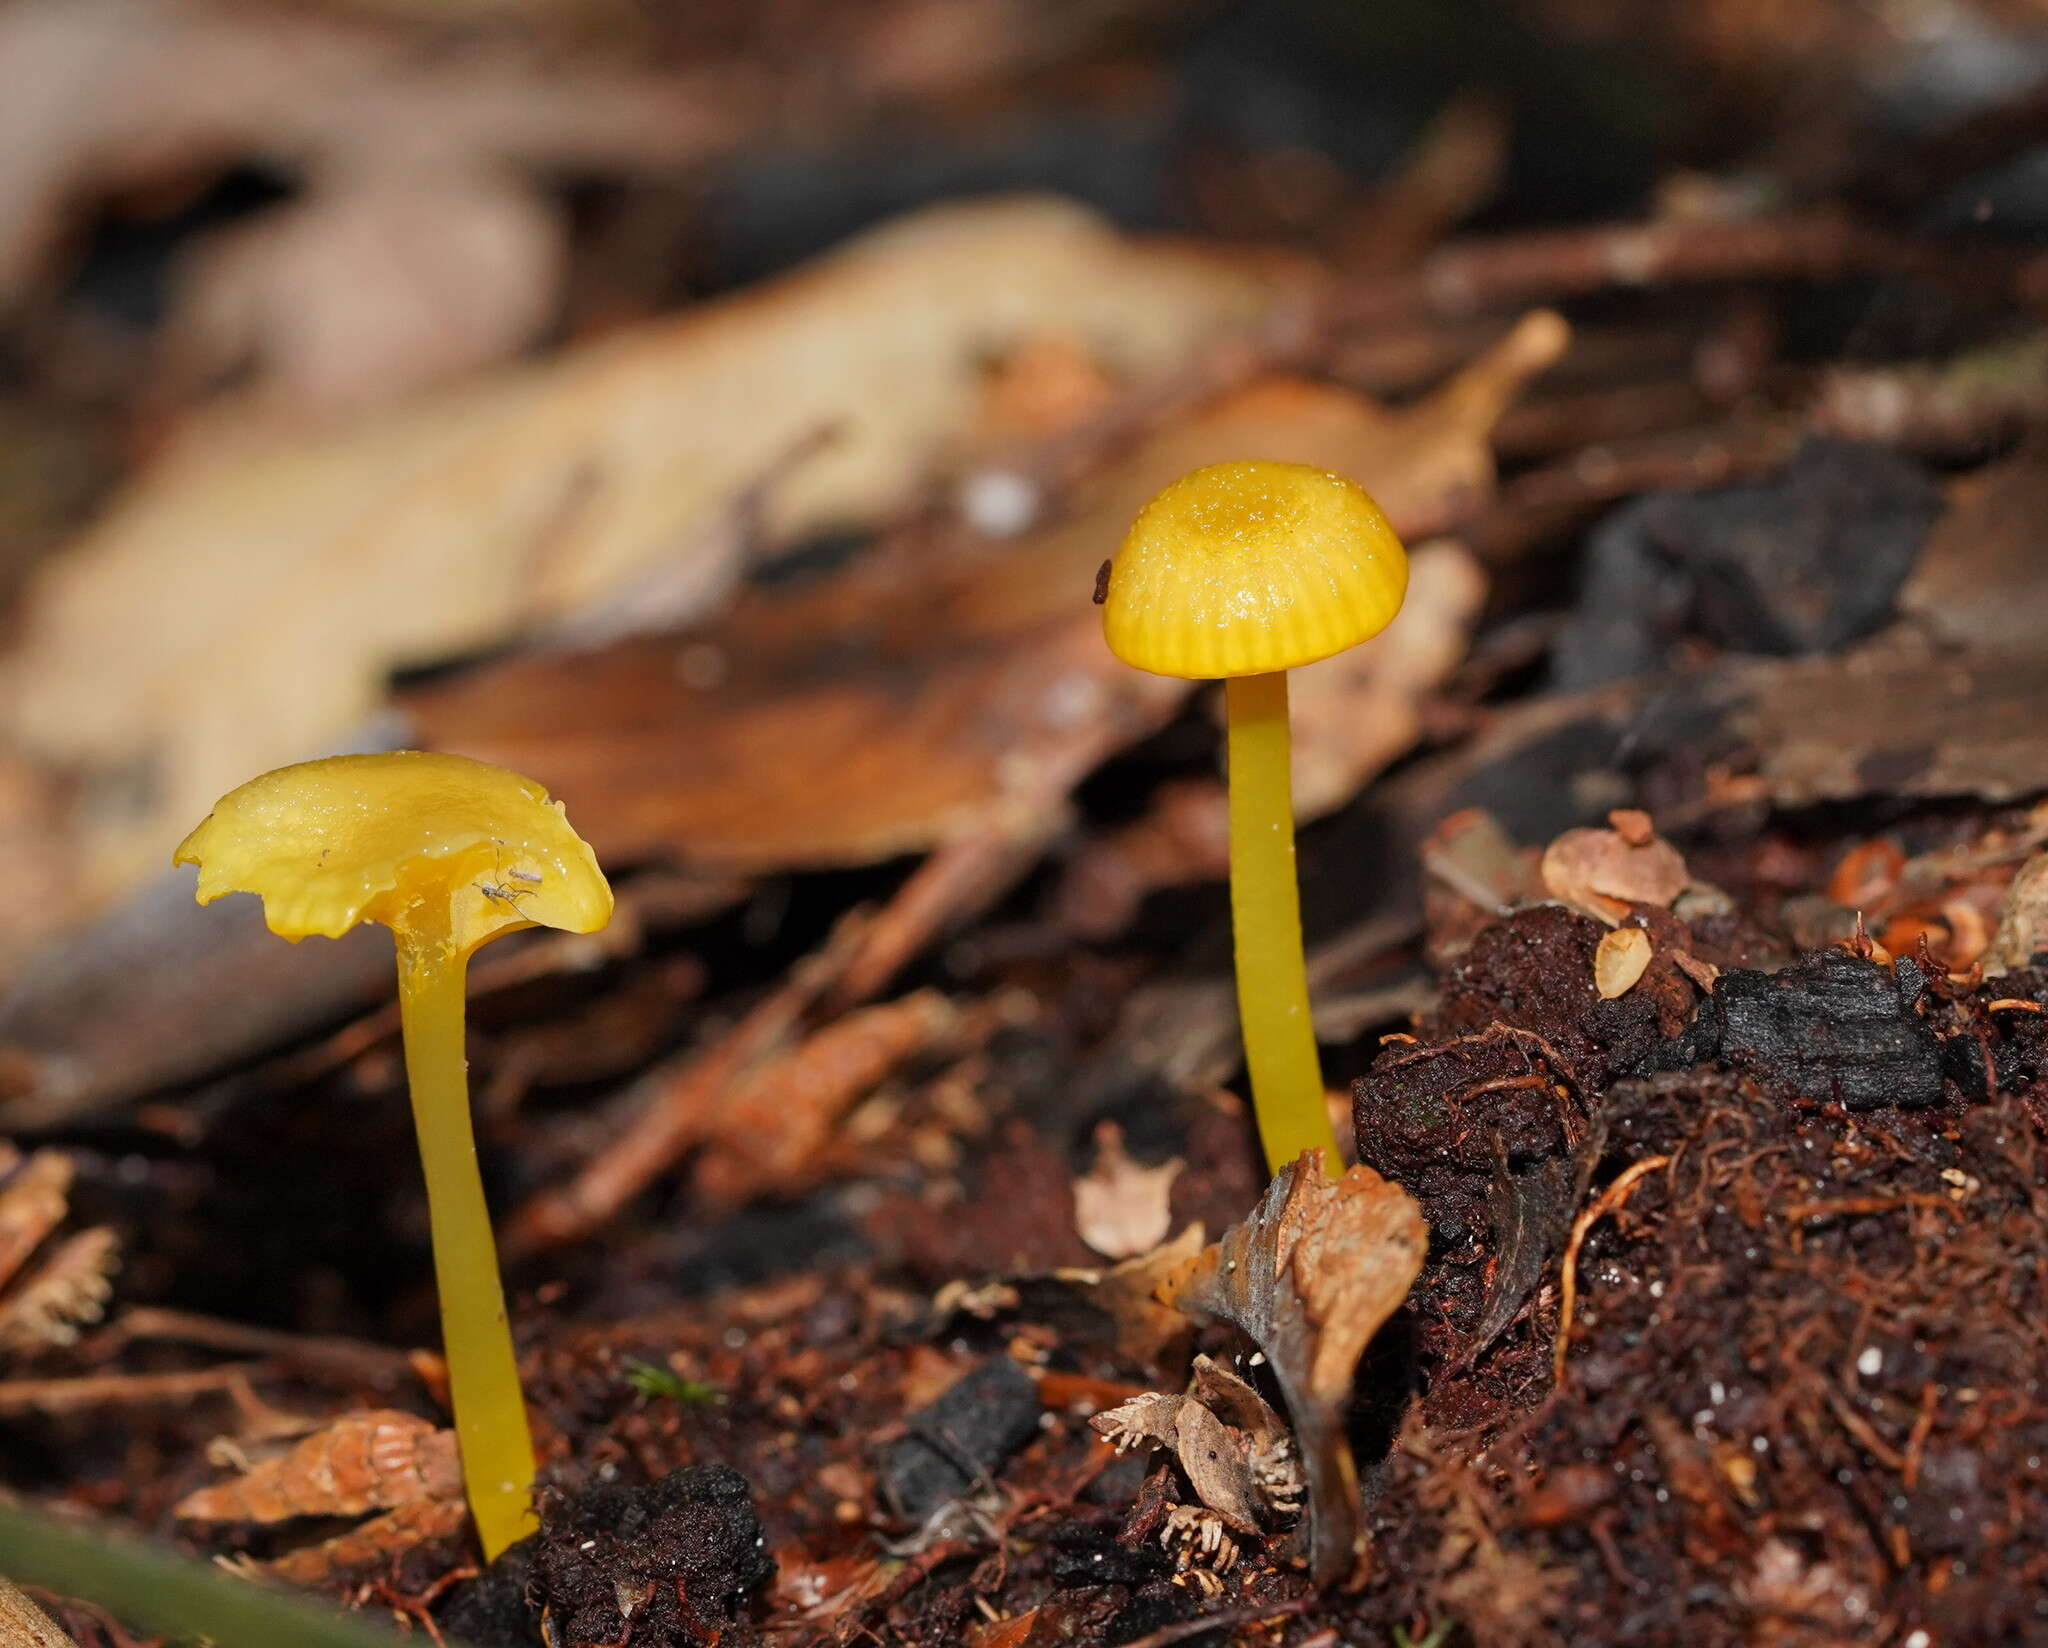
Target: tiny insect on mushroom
x,y
1243,571
448,853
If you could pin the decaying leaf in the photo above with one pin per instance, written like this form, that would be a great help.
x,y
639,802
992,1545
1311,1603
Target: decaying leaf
x,y
384,280
1621,959
1600,873
66,1290
1472,855
1121,1208
370,1549
243,605
1309,1278
1234,1450
1137,1296
375,1460
969,691
32,1204
2021,930
48,1289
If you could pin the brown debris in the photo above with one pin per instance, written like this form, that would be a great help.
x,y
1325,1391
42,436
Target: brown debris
x,y
362,1462
1601,873
1121,1209
767,1131
1309,1278
24,1625
48,1289
375,1547
1623,956
68,1290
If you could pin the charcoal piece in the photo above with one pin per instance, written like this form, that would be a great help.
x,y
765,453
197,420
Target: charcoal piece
x,y
666,1564
958,1441
1089,1556
1804,561
1831,1027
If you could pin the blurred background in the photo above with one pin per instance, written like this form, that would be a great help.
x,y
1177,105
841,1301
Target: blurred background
x,y
719,412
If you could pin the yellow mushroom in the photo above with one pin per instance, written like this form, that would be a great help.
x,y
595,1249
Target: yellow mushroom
x,y
1243,571
448,853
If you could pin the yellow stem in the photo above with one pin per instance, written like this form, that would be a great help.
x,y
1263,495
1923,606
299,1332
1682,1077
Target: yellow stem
x,y
483,1375
1265,914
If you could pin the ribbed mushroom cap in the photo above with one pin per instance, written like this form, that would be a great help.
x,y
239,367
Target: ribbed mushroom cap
x,y
410,839
1245,568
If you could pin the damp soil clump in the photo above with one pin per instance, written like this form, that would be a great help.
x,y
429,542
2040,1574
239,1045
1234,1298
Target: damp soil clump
x,y
1773,1369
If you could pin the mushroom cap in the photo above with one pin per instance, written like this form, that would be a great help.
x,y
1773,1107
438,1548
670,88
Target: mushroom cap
x,y
1245,568
437,845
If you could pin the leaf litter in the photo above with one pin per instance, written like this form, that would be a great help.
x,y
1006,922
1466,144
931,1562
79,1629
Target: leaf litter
x,y
1719,1122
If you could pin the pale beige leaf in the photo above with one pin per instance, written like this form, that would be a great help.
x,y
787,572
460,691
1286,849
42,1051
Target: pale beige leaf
x,y
1120,1207
1620,960
382,281
243,604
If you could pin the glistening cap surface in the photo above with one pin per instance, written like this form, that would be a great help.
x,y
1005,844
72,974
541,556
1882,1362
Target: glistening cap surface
x,y
327,844
1245,568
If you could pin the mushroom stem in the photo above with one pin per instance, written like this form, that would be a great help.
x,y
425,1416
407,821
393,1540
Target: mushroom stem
x,y
1265,916
476,1336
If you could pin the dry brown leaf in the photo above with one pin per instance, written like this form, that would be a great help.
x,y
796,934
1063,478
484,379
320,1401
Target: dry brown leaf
x,y
1137,1295
1148,1421
1472,855
103,96
32,1204
375,1460
2019,933
1309,1278
1621,959
67,1290
245,601
1121,1208
369,1550
382,281
1600,873
966,698
1230,1444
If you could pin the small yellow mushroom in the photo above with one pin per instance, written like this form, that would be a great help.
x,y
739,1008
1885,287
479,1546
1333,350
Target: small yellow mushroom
x,y
1244,571
448,853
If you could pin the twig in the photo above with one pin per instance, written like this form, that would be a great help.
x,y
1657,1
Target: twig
x,y
1229,1620
110,1389
678,1098
1610,1200
345,1358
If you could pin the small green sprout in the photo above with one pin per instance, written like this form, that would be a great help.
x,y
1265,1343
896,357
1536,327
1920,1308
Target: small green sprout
x,y
651,1381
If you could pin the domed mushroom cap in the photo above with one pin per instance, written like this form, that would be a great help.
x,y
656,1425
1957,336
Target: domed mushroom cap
x,y
410,839
1245,568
